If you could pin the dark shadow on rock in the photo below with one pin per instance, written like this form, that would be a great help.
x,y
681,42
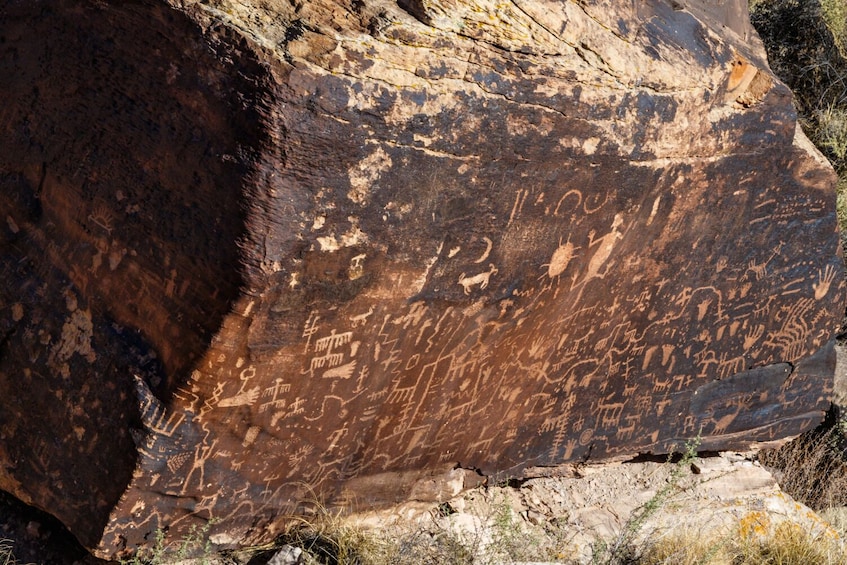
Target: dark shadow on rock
x,y
37,537
124,149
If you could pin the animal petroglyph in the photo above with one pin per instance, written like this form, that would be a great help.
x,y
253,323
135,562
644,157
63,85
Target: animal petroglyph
x,y
361,319
561,258
760,270
606,245
480,279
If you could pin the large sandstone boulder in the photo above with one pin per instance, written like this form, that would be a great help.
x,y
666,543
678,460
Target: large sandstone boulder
x,y
258,254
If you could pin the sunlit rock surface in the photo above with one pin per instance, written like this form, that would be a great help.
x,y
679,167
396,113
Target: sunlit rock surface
x,y
258,254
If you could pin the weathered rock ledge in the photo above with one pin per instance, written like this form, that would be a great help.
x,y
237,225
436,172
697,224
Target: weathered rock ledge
x,y
566,519
256,253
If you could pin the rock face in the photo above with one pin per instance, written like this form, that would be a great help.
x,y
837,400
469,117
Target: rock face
x,y
258,254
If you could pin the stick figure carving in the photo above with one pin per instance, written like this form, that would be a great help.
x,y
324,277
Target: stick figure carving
x,y
202,453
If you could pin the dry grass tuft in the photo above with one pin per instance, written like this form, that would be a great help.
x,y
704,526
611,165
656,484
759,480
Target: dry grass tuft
x,y
812,468
784,544
789,544
6,556
326,538
686,548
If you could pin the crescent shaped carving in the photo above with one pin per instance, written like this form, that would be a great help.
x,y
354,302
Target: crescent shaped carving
x,y
488,246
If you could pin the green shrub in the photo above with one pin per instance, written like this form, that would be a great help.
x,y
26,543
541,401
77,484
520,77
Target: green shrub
x,y
805,42
835,14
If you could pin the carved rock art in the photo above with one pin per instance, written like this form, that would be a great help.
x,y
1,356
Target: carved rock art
x,y
259,253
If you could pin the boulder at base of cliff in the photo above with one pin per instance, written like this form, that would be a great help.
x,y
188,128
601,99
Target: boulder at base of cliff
x,y
258,255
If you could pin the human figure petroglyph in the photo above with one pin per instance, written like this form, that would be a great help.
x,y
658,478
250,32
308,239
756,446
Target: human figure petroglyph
x,y
202,453
357,261
481,279
356,269
336,436
363,373
243,397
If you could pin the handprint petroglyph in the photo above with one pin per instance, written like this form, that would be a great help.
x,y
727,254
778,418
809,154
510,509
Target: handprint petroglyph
x,y
822,286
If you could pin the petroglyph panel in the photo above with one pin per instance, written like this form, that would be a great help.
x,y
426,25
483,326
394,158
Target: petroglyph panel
x,y
403,250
